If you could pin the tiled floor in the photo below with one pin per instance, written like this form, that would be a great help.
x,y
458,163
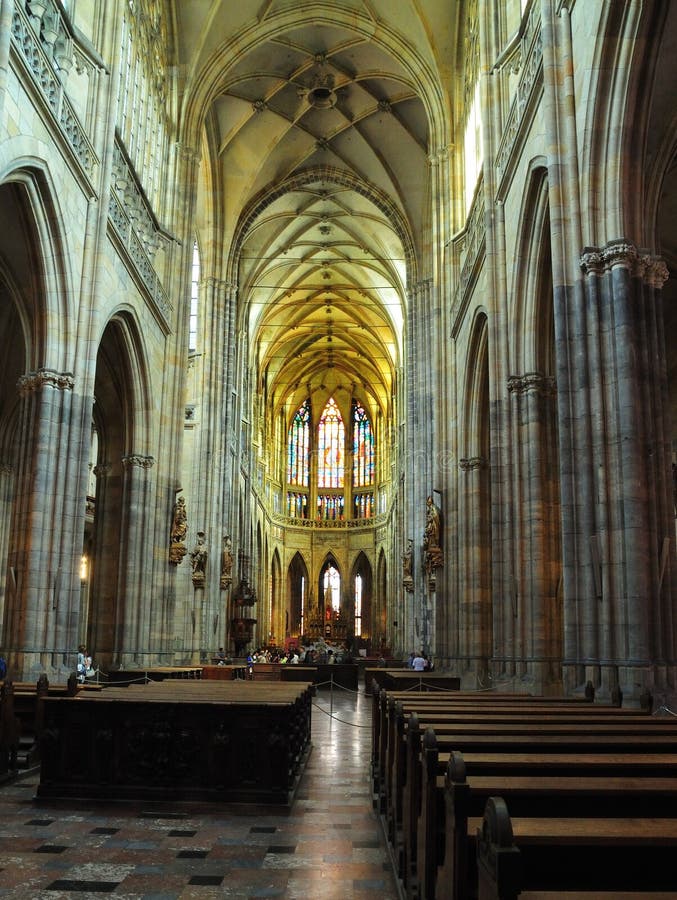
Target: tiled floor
x,y
328,847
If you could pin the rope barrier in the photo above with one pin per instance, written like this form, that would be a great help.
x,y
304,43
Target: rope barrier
x,y
336,718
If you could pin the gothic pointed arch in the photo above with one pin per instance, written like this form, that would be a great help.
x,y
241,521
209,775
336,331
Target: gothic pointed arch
x,y
273,601
533,396
469,627
361,597
117,617
42,469
330,585
379,616
299,593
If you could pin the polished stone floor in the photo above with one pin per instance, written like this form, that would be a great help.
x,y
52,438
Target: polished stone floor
x,y
329,846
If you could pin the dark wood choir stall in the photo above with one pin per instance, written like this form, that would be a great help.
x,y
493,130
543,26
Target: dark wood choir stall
x,y
178,739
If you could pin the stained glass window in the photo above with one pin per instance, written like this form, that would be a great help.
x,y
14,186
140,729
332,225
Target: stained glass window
x,y
330,441
358,606
298,445
363,505
330,506
332,589
363,447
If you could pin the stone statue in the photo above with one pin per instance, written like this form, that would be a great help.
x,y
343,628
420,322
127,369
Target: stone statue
x,y
227,562
180,524
177,548
434,557
432,525
407,562
198,559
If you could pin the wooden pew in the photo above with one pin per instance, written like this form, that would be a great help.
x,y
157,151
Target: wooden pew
x,y
537,738
457,719
536,858
541,736
446,867
383,700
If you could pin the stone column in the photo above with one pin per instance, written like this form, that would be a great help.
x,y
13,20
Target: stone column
x,y
140,639
6,505
46,530
538,641
631,455
474,603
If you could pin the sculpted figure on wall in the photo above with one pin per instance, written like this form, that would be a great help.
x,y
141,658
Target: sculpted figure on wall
x,y
434,556
407,566
198,559
177,547
227,562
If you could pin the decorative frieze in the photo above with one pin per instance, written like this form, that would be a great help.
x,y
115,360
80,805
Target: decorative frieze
x,y
35,381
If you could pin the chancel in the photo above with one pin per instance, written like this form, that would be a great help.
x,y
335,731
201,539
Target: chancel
x,y
343,324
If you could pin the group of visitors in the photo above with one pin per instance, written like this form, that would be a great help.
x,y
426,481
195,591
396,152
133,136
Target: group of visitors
x,y
419,662
318,653
85,665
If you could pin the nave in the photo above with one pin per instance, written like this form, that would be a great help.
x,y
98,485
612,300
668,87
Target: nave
x,y
329,847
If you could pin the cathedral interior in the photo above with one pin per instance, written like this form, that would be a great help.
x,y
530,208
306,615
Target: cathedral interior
x,y
347,320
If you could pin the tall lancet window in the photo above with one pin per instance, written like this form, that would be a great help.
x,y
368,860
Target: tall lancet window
x,y
363,464
298,463
330,445
298,472
363,448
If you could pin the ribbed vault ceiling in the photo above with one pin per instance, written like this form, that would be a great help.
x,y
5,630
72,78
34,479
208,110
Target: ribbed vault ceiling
x,y
320,120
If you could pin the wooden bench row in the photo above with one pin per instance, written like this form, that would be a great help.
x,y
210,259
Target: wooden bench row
x,y
550,758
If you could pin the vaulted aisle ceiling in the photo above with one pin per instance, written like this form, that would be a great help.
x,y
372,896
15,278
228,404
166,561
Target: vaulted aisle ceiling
x,y
320,122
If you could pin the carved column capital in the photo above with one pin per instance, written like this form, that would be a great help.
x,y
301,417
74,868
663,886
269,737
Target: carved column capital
x,y
35,381
656,272
599,260
102,469
532,382
143,462
473,462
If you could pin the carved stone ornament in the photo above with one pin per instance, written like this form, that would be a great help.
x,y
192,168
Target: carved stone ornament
x,y
176,553
62,381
